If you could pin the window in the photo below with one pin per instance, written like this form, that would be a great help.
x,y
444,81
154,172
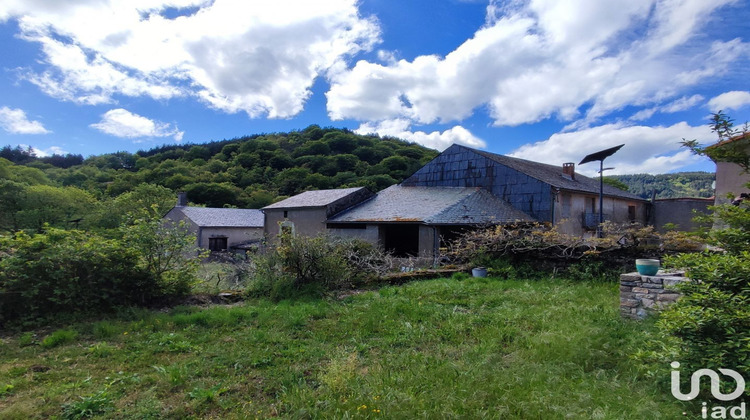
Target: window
x,y
631,213
217,244
286,214
565,198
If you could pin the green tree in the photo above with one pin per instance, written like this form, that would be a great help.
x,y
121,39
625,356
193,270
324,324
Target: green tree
x,y
62,207
615,183
212,194
734,151
12,196
711,322
167,251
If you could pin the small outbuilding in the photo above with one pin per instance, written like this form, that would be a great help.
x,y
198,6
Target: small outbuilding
x,y
307,213
219,229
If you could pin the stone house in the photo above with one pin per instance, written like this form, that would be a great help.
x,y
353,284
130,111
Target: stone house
x,y
730,177
546,193
307,213
219,229
461,188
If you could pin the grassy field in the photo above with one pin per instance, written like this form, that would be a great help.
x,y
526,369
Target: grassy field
x,y
445,348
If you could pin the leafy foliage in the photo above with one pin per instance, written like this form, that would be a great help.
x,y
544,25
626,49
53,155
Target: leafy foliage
x,y
676,185
72,271
712,321
67,271
732,146
314,264
221,173
709,326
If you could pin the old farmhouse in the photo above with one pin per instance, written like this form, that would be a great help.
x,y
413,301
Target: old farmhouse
x,y
462,187
219,229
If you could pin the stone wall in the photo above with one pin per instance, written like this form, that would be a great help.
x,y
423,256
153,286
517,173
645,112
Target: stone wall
x,y
642,295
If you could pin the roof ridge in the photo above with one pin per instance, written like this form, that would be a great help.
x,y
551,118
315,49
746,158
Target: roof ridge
x,y
557,182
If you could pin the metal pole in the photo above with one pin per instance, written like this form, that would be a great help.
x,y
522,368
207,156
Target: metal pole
x,y
599,232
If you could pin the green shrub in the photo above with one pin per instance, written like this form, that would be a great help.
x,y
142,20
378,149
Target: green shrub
x,y
709,327
303,265
59,338
711,321
73,271
67,271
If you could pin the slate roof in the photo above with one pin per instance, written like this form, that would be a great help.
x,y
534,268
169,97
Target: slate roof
x,y
318,198
216,217
553,176
432,205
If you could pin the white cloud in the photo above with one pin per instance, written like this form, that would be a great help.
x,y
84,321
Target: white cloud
x,y
735,99
647,149
122,123
400,128
681,104
259,57
52,150
14,121
540,59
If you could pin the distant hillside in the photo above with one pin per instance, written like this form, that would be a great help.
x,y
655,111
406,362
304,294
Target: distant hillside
x,y
248,172
677,185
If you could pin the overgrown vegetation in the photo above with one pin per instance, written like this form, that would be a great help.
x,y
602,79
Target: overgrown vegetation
x,y
247,172
536,249
75,272
301,264
710,326
462,348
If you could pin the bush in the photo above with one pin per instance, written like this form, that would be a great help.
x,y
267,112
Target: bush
x,y
711,321
302,264
67,271
166,251
73,271
709,327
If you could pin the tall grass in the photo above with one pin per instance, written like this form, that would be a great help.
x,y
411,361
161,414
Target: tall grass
x,y
448,348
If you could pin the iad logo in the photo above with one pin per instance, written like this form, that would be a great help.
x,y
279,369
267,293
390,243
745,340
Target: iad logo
x,y
695,383
717,412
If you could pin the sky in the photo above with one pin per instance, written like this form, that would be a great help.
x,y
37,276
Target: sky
x,y
545,80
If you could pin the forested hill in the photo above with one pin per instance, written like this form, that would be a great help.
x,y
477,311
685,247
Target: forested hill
x,y
677,185
247,172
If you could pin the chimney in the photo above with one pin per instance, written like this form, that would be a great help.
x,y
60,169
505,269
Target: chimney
x,y
181,199
569,169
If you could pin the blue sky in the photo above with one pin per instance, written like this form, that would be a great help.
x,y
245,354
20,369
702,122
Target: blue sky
x,y
547,80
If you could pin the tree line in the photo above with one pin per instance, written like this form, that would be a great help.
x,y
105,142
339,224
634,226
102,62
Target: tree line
x,y
247,172
676,185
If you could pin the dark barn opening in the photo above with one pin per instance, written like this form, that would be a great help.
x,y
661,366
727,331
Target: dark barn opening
x,y
401,240
217,244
